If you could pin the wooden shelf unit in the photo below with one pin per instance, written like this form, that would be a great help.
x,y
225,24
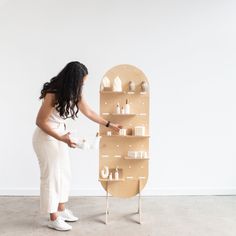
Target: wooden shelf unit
x,y
114,146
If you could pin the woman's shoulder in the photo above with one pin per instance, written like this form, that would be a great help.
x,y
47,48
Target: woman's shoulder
x,y
50,98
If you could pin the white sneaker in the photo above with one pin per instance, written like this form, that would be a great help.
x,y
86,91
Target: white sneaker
x,y
67,215
59,224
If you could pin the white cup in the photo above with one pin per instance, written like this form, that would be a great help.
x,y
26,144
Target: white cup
x,y
122,132
132,154
139,130
139,154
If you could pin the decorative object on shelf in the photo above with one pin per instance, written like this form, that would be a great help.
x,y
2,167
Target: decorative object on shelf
x,y
105,172
109,133
117,85
144,87
118,108
106,84
131,86
132,154
122,110
127,107
139,130
122,132
137,154
110,176
129,131
116,174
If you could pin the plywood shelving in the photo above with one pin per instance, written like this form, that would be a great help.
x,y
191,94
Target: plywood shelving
x,y
114,148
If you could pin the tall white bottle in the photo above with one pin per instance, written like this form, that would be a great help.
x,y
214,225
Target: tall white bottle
x,y
127,107
116,174
122,110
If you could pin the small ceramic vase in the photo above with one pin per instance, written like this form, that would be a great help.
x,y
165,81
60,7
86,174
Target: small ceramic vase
x,y
105,172
131,86
144,86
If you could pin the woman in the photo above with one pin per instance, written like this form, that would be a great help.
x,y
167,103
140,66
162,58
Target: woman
x,y
62,99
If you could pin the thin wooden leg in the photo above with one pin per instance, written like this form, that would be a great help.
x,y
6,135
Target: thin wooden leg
x,y
139,205
107,203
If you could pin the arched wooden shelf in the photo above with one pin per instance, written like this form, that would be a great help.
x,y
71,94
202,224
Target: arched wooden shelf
x,y
113,149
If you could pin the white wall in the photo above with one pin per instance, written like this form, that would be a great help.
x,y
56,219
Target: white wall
x,y
187,50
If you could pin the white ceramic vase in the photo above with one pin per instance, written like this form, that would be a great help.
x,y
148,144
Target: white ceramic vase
x,y
105,172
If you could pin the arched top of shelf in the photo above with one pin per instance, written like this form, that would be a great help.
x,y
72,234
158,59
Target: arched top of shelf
x,y
126,73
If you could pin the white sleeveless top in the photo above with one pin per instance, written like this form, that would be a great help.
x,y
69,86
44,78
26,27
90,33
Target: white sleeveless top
x,y
55,117
56,123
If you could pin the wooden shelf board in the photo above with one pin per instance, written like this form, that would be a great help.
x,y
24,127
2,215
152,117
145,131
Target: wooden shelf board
x,y
138,158
115,114
136,179
113,180
131,114
120,180
124,92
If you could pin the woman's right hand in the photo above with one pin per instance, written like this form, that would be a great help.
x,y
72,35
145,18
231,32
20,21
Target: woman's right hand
x,y
66,139
115,127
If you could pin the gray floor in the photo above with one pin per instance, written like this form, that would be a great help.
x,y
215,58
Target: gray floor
x,y
162,216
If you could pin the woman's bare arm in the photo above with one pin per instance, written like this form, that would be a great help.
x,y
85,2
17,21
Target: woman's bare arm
x,y
92,115
43,117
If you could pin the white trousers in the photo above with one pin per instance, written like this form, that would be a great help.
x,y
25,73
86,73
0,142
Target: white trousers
x,y
55,170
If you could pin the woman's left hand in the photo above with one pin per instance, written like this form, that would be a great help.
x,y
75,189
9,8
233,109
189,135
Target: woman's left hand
x,y
115,127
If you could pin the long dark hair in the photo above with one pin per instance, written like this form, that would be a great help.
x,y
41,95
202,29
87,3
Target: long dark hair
x,y
67,87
